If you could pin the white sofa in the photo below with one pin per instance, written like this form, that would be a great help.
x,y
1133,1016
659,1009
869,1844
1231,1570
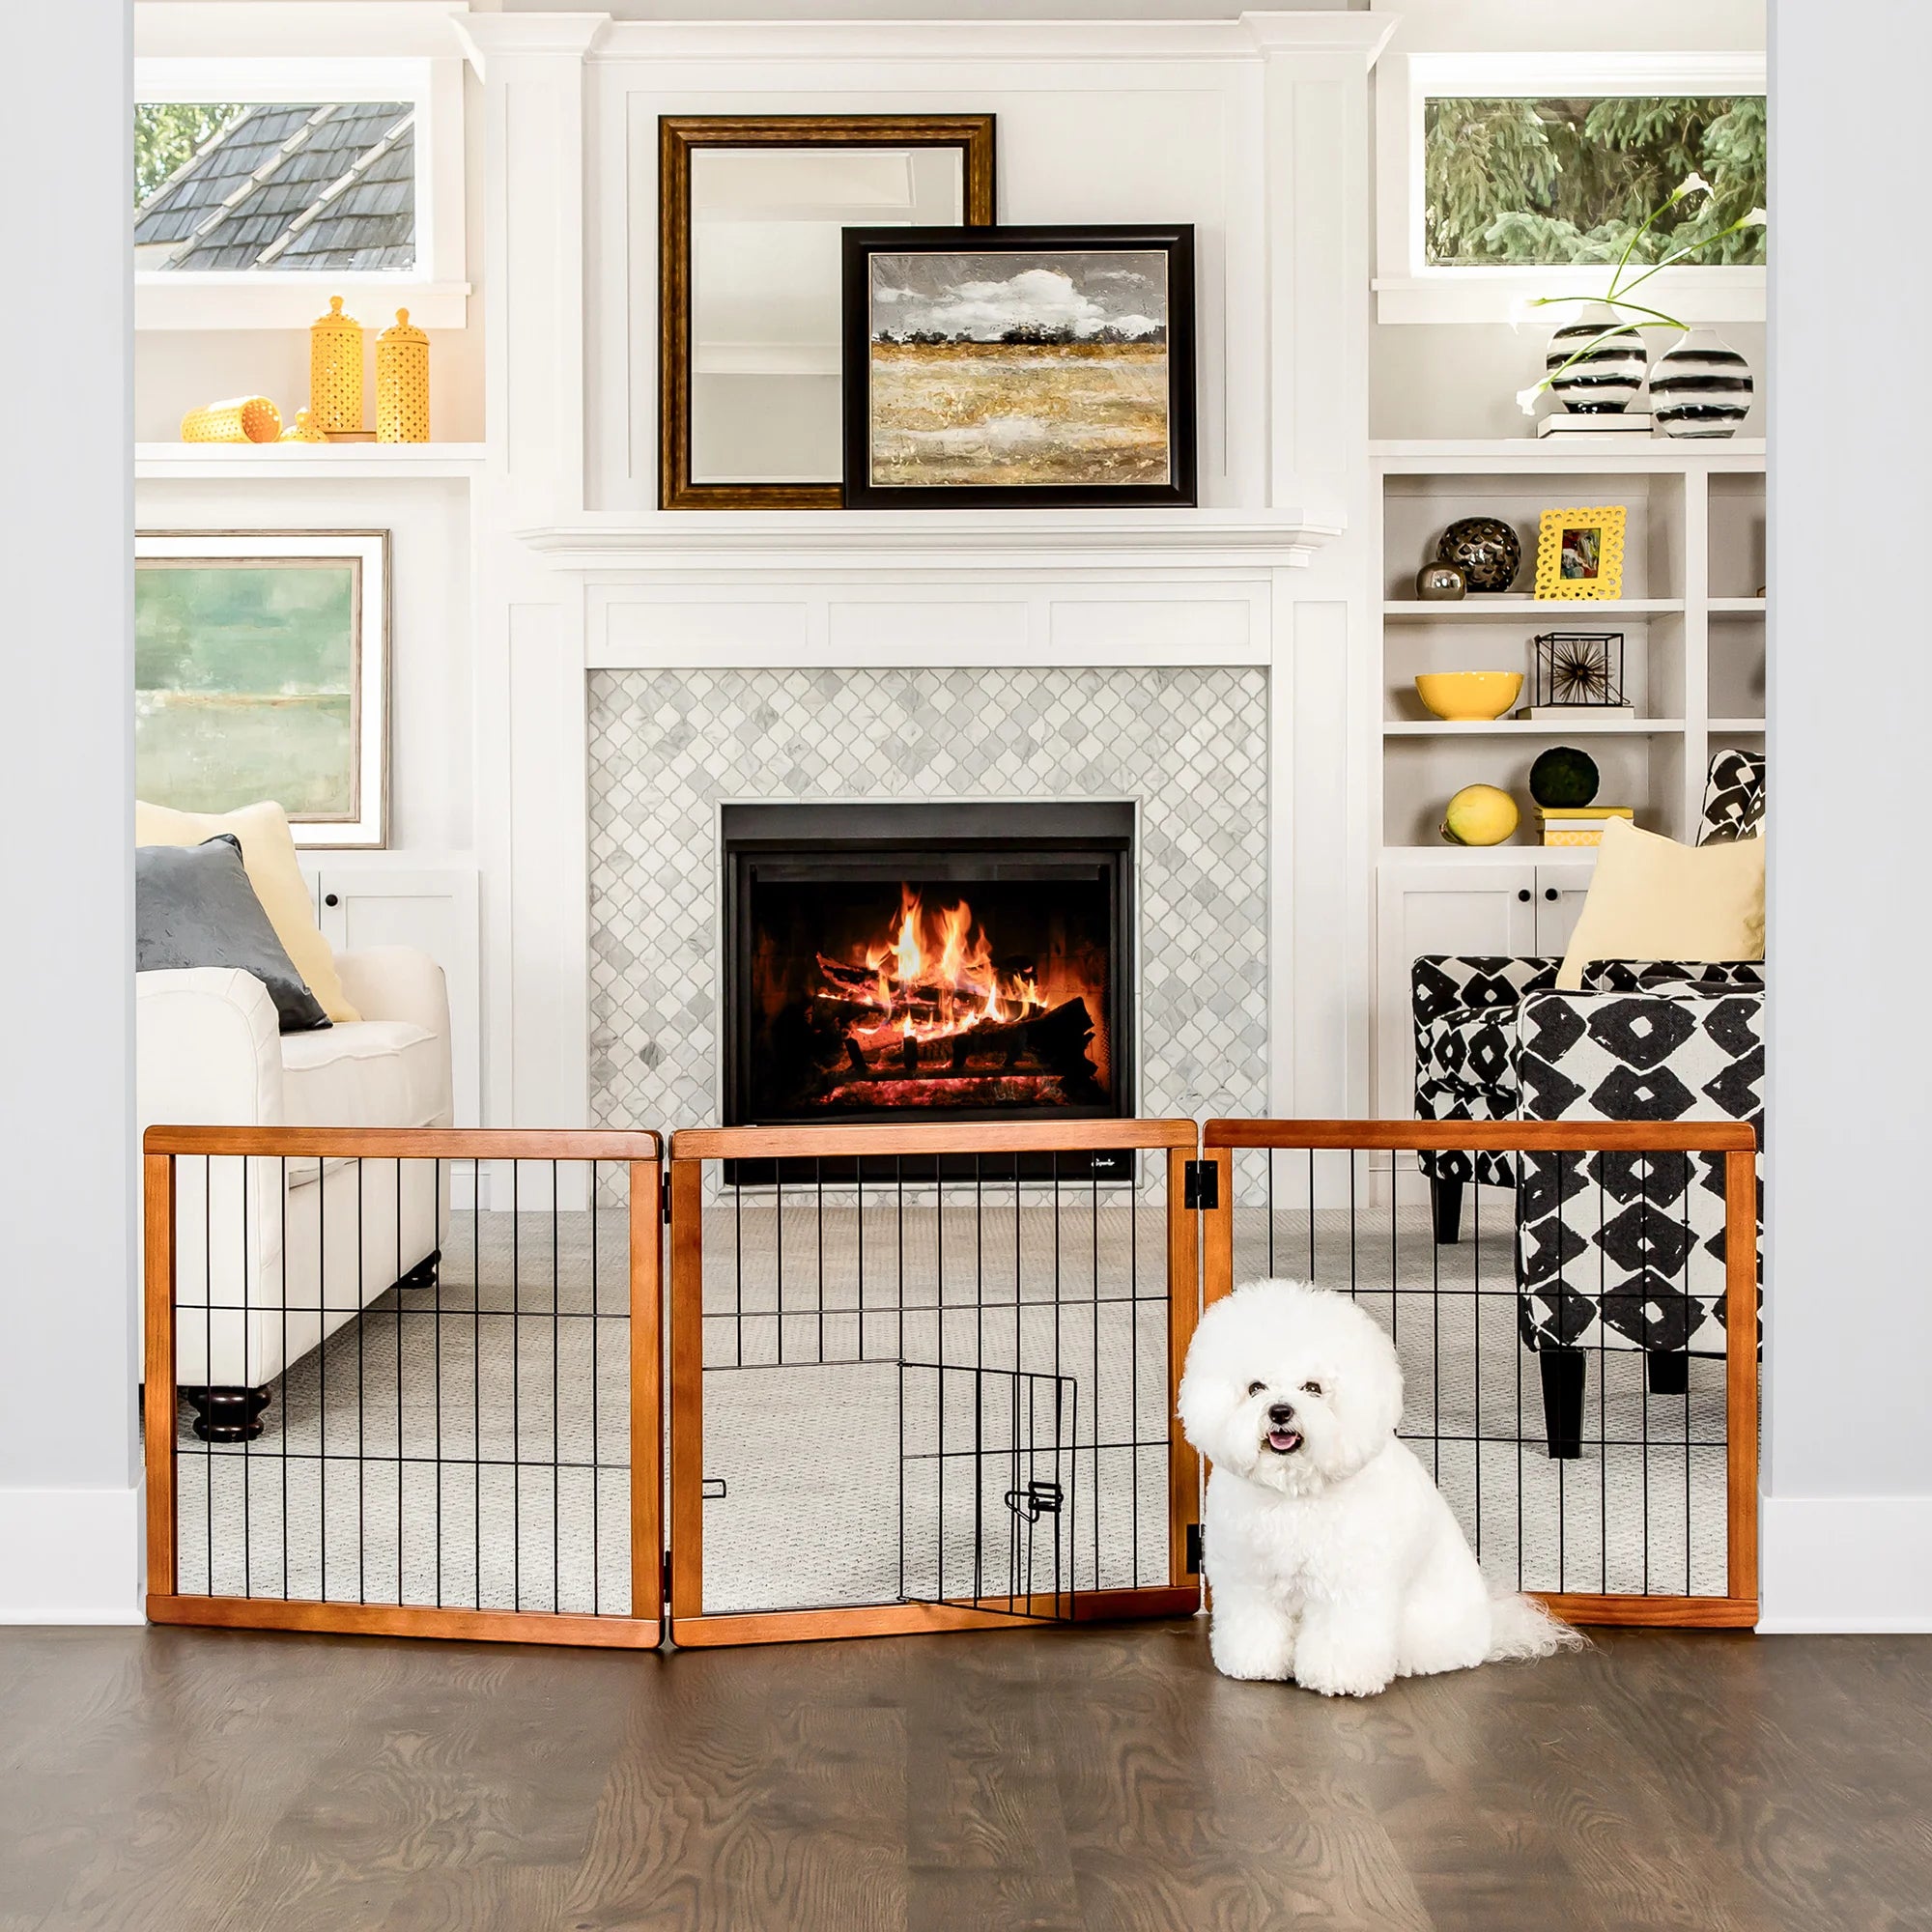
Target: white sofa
x,y
271,1261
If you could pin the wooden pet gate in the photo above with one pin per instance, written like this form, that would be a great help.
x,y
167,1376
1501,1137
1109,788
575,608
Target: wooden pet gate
x,y
905,1379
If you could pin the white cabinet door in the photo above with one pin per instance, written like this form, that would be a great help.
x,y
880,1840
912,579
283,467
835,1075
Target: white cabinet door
x,y
434,908
1473,906
1560,888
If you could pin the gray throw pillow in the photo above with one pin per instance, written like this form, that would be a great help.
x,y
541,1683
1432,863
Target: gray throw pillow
x,y
193,906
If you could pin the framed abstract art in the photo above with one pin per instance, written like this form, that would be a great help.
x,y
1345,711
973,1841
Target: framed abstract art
x,y
262,671
1580,553
1005,366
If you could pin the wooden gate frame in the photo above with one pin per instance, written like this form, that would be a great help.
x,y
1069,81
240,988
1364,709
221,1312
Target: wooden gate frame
x,y
1738,1608
689,1148
642,1627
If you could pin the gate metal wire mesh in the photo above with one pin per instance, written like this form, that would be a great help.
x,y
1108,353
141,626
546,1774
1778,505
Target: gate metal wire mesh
x,y
374,1401
895,1387
1621,1486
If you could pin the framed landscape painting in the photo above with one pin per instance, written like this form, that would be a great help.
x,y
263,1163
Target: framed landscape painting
x,y
999,366
262,670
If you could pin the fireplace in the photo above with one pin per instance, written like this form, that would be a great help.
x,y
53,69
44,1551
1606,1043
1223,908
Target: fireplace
x,y
927,962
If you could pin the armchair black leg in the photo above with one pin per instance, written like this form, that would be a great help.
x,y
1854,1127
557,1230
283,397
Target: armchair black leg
x,y
423,1275
227,1415
1667,1371
1562,1372
1445,1202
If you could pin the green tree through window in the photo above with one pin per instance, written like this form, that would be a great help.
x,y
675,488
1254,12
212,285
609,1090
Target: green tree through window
x,y
167,134
1551,180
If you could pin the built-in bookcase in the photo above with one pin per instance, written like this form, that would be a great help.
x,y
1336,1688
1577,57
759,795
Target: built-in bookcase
x,y
1692,615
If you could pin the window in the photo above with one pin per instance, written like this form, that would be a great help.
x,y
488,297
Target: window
x,y
291,186
1574,179
1501,175
258,179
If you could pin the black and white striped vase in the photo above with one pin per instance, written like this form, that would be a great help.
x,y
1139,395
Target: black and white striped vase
x,y
1700,386
1602,381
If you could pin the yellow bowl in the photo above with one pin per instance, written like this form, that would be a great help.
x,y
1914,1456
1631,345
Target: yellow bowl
x,y
1464,695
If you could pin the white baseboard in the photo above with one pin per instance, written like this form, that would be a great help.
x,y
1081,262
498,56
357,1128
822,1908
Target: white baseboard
x,y
70,1556
1846,1563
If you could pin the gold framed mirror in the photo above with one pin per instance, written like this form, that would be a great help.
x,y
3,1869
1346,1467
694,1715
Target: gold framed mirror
x,y
750,214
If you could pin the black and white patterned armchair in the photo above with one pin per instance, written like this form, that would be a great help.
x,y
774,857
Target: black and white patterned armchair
x,y
1613,1250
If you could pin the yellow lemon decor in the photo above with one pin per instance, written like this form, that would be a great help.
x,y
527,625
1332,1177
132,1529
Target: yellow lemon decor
x,y
302,430
1465,696
1479,816
240,419
401,382
336,370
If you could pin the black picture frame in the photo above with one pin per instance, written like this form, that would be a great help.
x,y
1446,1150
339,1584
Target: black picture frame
x,y
1172,240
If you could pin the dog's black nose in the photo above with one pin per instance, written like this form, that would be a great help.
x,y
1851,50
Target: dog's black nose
x,y
1281,1411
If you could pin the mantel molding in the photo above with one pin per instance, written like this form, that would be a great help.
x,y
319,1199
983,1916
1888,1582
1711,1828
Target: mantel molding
x,y
1044,542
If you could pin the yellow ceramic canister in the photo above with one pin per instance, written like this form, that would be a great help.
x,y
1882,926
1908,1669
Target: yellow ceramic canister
x,y
240,419
336,370
401,382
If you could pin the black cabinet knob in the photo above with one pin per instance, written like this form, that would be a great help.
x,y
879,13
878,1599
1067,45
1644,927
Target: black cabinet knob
x,y
1523,895
1549,892
329,900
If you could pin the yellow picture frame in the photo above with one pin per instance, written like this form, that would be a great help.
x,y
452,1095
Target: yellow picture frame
x,y
1579,554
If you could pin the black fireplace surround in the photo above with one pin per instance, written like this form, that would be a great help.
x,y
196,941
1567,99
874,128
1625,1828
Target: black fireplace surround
x,y
931,962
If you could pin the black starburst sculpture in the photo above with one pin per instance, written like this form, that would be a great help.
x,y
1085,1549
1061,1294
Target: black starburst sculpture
x,y
1579,667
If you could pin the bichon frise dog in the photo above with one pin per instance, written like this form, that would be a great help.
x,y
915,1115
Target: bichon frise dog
x,y
1334,1560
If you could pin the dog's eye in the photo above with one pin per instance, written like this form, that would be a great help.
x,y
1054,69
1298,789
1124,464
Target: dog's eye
x,y
1255,1388
1311,1388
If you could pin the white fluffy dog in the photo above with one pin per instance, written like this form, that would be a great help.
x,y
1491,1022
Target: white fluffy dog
x,y
1334,1559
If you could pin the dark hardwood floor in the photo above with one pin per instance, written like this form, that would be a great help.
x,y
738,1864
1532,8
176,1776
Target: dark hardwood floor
x,y
221,1782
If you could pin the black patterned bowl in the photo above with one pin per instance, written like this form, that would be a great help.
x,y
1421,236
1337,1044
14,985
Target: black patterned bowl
x,y
1486,550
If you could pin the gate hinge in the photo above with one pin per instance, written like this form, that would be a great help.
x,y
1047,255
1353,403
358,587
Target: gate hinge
x,y
1201,1184
664,1205
667,1575
1193,1549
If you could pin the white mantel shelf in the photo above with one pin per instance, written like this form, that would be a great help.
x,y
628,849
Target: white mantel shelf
x,y
1040,540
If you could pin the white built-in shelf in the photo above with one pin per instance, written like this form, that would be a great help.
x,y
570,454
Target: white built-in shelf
x,y
1512,852
1509,603
1744,724
1635,456
1736,607
1531,727
286,461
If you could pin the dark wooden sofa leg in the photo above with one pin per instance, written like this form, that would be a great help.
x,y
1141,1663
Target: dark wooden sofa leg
x,y
1445,1202
1667,1371
227,1415
1562,1372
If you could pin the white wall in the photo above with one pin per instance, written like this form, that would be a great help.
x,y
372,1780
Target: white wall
x,y
69,1522
430,662
1848,1515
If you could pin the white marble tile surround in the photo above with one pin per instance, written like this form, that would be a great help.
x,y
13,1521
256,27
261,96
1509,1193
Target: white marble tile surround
x,y
667,747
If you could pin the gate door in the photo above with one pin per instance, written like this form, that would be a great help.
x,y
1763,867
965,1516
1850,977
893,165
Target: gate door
x,y
987,1488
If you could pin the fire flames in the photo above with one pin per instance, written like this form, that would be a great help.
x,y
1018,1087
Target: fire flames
x,y
931,977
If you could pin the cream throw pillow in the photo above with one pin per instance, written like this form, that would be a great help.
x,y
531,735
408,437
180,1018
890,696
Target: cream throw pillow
x,y
268,857
1652,898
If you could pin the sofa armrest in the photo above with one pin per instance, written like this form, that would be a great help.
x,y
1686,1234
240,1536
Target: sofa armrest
x,y
208,1049
397,982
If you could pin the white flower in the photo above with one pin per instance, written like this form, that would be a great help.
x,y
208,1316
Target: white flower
x,y
1756,218
1525,399
1692,184
1520,310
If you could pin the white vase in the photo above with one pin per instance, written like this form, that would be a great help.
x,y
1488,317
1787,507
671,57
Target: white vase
x,y
1603,378
1700,386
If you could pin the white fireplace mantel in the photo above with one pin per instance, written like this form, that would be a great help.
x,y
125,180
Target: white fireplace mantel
x,y
841,543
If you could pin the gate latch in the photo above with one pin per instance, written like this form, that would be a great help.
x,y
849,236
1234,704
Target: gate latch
x,y
1038,1499
1201,1184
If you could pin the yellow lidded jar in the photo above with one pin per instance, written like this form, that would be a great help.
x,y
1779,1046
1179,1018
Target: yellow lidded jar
x,y
302,430
336,370
240,419
401,382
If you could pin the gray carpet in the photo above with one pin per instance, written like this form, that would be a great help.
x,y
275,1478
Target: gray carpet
x,y
840,1476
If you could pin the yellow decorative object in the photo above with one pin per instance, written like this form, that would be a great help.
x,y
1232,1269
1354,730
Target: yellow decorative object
x,y
401,382
1479,815
1580,553
302,430
240,419
1465,696
336,370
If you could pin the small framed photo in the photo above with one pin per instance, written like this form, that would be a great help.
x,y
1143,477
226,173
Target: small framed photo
x,y
1579,552
999,367
262,670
